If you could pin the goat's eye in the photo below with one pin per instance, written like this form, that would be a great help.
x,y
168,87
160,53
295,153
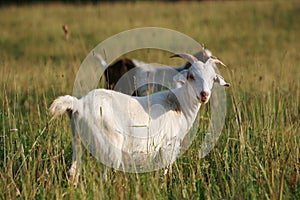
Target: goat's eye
x,y
190,76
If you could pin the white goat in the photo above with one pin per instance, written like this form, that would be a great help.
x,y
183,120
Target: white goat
x,y
134,127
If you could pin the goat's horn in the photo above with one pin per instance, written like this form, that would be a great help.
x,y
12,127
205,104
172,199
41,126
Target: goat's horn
x,y
217,61
191,59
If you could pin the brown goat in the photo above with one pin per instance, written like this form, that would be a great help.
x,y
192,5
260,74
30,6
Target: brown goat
x,y
115,71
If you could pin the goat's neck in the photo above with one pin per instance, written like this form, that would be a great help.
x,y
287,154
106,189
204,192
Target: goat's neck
x,y
189,104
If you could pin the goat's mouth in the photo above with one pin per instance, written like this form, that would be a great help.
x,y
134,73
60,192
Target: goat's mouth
x,y
202,100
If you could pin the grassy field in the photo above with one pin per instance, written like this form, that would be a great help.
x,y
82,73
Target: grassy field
x,y
258,153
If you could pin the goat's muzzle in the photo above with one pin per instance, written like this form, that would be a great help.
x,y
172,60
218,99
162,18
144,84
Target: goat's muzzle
x,y
203,98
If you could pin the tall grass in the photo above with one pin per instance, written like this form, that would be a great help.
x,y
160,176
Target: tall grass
x,y
257,155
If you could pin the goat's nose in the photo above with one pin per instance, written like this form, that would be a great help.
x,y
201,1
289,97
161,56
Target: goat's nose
x,y
204,94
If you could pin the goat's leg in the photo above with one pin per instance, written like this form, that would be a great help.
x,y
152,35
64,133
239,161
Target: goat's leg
x,y
168,173
104,174
75,169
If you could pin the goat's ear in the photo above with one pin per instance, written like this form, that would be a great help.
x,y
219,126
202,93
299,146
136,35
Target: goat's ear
x,y
219,79
181,77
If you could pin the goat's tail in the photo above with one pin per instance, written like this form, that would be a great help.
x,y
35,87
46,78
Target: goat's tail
x,y
61,105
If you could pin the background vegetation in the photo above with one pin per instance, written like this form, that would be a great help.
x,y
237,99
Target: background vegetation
x,y
257,155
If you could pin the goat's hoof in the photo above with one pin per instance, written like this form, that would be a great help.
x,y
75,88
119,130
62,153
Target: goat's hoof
x,y
74,180
73,176
104,179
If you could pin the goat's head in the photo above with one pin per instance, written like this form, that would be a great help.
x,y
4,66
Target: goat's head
x,y
201,76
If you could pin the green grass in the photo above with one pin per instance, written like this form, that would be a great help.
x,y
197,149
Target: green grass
x,y
257,155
